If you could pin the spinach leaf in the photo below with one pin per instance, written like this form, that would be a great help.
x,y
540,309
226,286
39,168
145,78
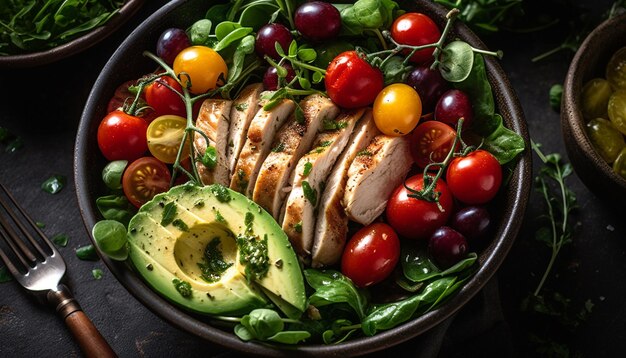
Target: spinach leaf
x,y
367,15
60,240
332,287
110,236
556,93
257,16
112,174
503,143
97,274
87,253
418,267
390,315
457,60
116,207
231,37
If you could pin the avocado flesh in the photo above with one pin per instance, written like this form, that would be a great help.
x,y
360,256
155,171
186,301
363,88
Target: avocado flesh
x,y
174,251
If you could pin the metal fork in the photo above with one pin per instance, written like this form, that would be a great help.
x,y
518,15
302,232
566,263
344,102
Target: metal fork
x,y
41,271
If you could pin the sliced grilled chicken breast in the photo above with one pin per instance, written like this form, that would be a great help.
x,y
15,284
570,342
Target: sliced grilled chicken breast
x,y
258,144
213,120
332,222
374,175
308,182
243,110
291,142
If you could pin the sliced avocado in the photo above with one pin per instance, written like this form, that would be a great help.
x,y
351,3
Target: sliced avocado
x,y
169,235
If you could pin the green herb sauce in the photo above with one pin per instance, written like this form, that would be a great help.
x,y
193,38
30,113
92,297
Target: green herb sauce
x,y
253,255
213,264
183,287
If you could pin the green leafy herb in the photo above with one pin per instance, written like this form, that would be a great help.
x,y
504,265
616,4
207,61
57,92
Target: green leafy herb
x,y
183,287
87,253
97,274
309,193
279,148
60,240
221,193
116,207
267,325
213,264
253,255
180,225
209,159
332,287
40,224
112,174
298,227
169,213
332,125
485,16
556,92
364,153
417,266
219,217
30,26
307,169
54,184
241,107
110,236
5,275
457,60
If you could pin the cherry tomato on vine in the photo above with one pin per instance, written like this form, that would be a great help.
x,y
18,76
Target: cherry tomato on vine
x,y
144,178
124,97
122,136
431,142
203,66
165,134
351,82
165,101
416,29
416,218
397,109
371,254
474,178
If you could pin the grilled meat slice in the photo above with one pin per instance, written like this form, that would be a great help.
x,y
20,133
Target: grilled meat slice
x,y
291,142
213,120
243,110
258,144
373,176
309,176
332,222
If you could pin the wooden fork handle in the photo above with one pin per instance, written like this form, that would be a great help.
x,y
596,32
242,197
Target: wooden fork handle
x,y
86,334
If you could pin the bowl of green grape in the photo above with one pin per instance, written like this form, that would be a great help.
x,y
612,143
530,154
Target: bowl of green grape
x,y
593,114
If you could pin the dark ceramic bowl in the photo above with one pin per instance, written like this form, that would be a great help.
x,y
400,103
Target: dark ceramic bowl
x,y
76,45
590,62
128,63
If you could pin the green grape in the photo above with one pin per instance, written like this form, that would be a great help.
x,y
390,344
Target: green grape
x,y
617,110
616,70
607,140
619,166
595,98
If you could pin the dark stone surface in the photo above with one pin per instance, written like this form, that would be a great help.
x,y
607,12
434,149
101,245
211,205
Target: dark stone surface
x,y
43,106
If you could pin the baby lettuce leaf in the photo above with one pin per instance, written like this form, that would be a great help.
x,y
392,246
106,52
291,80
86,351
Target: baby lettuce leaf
x,y
367,15
116,207
418,267
500,141
332,287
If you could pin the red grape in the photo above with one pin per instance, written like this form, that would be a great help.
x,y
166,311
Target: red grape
x,y
447,246
317,21
453,105
171,42
267,37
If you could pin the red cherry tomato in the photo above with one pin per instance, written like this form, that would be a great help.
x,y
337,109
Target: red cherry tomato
x,y
123,96
351,82
431,142
144,178
371,254
165,101
122,136
416,29
416,218
475,178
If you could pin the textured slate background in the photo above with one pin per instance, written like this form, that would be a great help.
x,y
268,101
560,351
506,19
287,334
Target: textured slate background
x,y
43,106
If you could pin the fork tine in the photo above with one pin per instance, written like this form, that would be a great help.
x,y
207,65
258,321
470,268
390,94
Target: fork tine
x,y
9,264
23,229
18,252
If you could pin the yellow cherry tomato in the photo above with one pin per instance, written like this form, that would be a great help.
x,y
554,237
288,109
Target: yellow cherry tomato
x,y
203,66
165,133
397,109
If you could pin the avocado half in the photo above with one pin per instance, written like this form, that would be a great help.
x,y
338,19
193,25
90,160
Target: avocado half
x,y
169,235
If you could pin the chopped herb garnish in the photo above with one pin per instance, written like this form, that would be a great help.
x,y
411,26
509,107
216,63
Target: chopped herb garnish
x,y
364,153
332,125
221,193
97,273
60,240
169,213
54,184
180,225
87,253
299,114
326,143
219,217
40,224
253,255
183,287
213,264
307,169
298,226
209,159
241,107
5,275
279,148
248,222
309,193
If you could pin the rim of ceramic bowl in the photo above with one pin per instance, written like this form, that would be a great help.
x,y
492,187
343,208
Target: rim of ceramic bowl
x,y
514,200
76,45
573,121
